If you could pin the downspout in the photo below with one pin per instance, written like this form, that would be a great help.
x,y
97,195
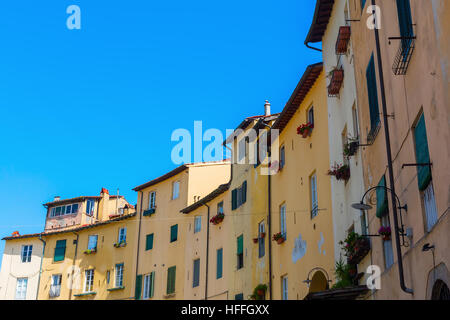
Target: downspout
x,y
40,268
389,161
73,265
207,255
138,241
308,46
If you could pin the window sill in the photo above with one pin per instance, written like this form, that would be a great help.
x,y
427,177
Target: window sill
x,y
85,294
169,295
116,288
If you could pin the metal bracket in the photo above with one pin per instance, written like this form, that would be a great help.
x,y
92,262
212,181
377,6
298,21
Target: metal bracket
x,y
428,164
401,38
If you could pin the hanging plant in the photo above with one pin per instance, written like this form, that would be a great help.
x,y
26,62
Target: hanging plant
x,y
120,244
341,172
259,292
305,129
279,238
385,233
90,251
255,240
218,218
351,147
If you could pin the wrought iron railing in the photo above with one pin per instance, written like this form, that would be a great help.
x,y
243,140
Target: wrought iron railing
x,y
404,54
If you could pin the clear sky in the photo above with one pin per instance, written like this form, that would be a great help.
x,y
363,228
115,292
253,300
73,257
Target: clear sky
x,y
96,107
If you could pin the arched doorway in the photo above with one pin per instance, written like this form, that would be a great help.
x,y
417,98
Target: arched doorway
x,y
318,282
440,291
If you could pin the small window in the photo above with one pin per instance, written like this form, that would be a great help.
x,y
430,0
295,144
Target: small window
x,y
219,270
60,250
311,115
21,288
90,204
92,243
197,224
240,252
119,275
261,240
55,287
152,200
387,244
149,285
174,233
284,288
175,190
242,149
282,157
171,277
108,276
75,208
313,191
355,122
372,92
283,228
196,274
89,280
26,253
149,242
220,208
122,235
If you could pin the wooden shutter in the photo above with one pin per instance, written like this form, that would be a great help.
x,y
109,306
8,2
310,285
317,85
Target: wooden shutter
x,y
196,274
244,192
60,250
219,263
173,233
372,94
233,199
152,284
382,201
171,275
240,244
138,288
149,242
422,154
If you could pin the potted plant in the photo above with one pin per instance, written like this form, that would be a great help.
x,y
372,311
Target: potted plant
x,y
385,233
120,244
355,247
341,172
218,218
305,129
90,251
255,240
278,237
262,235
351,147
259,292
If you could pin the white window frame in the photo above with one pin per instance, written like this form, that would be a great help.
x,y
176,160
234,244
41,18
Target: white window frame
x,y
152,200
118,275
175,190
90,207
283,227
27,252
197,224
55,287
64,210
147,286
21,289
122,235
88,280
314,195
284,288
94,236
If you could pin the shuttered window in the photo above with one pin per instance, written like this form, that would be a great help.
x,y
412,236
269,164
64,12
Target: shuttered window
x,y
422,154
373,95
149,242
239,196
138,288
173,233
405,23
196,274
171,276
60,250
149,285
240,252
219,270
382,200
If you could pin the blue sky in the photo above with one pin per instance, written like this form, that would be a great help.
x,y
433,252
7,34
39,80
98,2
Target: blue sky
x,y
96,107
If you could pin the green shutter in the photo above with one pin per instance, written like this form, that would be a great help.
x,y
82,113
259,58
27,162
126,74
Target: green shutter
x,y
138,288
239,296
382,200
152,284
240,244
233,199
196,274
60,250
173,233
219,263
244,192
171,275
372,94
149,242
422,154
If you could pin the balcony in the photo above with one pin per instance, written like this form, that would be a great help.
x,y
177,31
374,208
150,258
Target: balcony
x,y
343,40
361,248
149,212
337,78
404,54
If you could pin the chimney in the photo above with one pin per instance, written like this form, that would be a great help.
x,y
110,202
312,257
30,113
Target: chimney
x,y
267,108
56,198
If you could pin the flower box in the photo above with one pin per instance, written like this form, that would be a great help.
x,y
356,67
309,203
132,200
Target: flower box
x,y
279,238
341,172
149,212
90,251
259,292
113,216
337,78
255,240
343,40
305,129
385,233
361,248
351,148
218,218
120,244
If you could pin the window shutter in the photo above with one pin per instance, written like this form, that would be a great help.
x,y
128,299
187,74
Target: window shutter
x,y
138,288
240,244
152,284
173,233
244,192
382,201
422,154
219,263
372,94
60,250
233,199
149,242
196,276
171,274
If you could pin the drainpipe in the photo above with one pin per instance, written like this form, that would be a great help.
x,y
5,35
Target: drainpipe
x,y
138,240
389,161
73,265
40,268
207,254
308,46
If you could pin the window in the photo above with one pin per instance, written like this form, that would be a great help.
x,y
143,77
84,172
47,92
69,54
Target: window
x,y
239,296
284,288
108,276
242,149
311,115
119,275
196,274
405,23
363,3
171,276
239,196
55,287
122,235
197,224
355,122
149,242
149,285
175,190
283,220
92,243
282,157
173,233
373,98
60,250
313,191
152,200
387,244
261,239
363,220
26,253
90,204
424,178
220,208
21,288
89,280
219,269
63,210
240,252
